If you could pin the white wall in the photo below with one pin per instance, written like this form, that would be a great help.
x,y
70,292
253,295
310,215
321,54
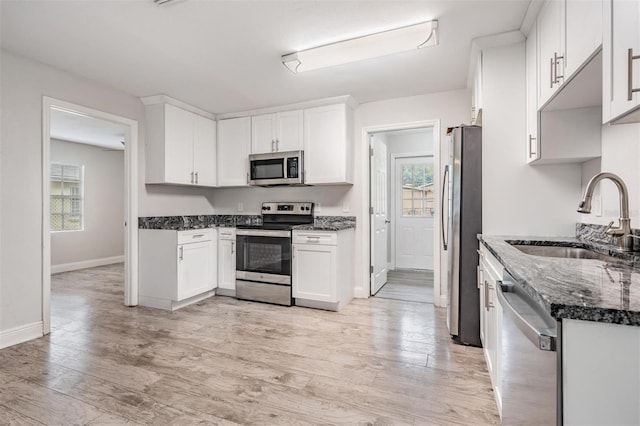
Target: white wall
x,y
620,155
451,108
103,234
24,83
519,199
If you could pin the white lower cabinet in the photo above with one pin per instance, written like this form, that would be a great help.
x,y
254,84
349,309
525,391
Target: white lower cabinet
x,y
322,271
489,276
227,262
177,268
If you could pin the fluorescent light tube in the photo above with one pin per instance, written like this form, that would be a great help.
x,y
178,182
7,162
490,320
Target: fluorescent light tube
x,y
385,43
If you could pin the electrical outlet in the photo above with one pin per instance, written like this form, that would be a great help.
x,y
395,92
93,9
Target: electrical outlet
x,y
345,208
596,204
240,207
317,208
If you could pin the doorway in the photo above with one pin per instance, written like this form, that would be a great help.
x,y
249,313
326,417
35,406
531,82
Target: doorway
x,y
403,210
66,210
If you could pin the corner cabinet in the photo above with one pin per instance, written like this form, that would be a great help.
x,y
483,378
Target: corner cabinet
x,y
621,59
234,146
177,268
281,131
322,268
180,147
227,261
489,277
328,144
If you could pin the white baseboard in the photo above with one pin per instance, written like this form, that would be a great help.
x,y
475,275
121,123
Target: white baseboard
x,y
66,267
361,292
20,334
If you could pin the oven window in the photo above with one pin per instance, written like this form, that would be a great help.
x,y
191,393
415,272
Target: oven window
x,y
267,169
269,255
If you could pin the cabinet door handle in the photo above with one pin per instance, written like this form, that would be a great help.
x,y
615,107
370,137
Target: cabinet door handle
x,y
181,256
196,177
233,247
277,145
556,60
532,152
247,178
551,79
191,177
630,89
273,145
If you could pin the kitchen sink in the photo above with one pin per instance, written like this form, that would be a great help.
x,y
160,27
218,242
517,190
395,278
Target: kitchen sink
x,y
564,252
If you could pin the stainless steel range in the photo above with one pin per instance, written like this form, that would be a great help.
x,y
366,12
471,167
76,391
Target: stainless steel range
x,y
263,257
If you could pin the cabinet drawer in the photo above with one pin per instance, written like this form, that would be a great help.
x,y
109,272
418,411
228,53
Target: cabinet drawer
x,y
227,233
315,237
194,235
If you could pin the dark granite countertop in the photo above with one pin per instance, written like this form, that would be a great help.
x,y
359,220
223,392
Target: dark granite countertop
x,y
182,223
582,289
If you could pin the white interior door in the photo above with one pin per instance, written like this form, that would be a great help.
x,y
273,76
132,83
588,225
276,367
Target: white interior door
x,y
379,214
414,212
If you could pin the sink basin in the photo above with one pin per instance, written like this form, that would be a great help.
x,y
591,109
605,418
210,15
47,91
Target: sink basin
x,y
564,252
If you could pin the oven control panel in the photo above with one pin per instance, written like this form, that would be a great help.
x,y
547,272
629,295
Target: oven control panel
x,y
288,208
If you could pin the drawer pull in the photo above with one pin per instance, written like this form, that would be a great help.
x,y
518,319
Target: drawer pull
x,y
630,89
198,236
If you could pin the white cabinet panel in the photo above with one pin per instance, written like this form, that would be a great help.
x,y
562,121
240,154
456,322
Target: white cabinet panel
x,y
314,272
583,31
194,269
621,32
204,151
550,49
290,133
180,147
234,145
227,260
328,144
263,133
532,150
281,131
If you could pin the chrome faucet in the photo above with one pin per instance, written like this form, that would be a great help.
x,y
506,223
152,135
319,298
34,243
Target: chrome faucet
x,y
623,232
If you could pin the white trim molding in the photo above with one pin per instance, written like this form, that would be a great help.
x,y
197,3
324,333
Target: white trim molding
x,y
130,201
92,263
364,290
21,334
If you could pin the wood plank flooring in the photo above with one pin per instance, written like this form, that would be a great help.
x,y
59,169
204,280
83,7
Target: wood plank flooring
x,y
411,285
223,361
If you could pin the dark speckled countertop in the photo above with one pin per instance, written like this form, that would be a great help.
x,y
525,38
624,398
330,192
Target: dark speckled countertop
x,y
582,289
181,223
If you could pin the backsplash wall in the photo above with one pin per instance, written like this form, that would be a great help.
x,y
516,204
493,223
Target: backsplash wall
x,y
620,155
333,200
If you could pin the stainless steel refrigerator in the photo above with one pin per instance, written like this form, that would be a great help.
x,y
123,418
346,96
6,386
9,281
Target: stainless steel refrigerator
x,y
462,206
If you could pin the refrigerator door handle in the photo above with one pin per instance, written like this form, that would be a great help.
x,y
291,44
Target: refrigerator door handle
x,y
445,243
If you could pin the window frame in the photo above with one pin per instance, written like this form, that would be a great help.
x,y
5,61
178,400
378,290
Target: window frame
x,y
76,203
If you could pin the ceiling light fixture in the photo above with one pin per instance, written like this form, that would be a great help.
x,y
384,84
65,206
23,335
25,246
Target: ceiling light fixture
x,y
411,37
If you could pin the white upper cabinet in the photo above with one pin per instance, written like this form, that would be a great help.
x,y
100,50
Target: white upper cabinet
x,y
180,147
533,153
328,144
234,145
550,46
204,151
280,131
583,21
621,59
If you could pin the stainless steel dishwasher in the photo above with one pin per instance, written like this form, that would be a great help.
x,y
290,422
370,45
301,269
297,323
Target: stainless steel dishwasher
x,y
530,359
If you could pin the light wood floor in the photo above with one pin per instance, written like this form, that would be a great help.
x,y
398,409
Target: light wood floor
x,y
410,285
223,361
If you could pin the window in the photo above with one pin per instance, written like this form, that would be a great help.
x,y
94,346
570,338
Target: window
x,y
67,197
417,190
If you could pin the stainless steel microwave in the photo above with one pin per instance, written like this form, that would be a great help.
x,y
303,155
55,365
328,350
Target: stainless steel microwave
x,y
276,168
